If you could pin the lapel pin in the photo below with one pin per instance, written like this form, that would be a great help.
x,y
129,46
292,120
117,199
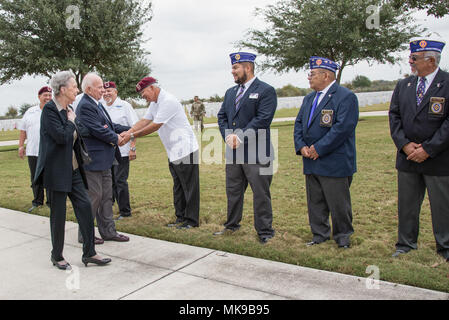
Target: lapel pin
x,y
409,84
438,85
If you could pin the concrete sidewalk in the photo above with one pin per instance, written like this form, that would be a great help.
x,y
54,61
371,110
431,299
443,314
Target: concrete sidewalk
x,y
149,269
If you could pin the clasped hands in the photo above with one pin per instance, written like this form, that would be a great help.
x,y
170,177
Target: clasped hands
x,y
123,138
233,141
415,152
309,153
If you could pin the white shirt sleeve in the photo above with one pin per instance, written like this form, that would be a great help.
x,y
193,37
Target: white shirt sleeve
x,y
149,114
167,110
22,123
131,115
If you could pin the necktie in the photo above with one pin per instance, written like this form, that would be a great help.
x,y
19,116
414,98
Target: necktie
x,y
421,91
239,97
103,111
315,103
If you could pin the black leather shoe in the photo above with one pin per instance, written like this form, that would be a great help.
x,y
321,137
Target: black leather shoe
x,y
264,239
65,266
98,262
225,230
398,253
32,208
346,246
120,217
174,224
312,243
185,226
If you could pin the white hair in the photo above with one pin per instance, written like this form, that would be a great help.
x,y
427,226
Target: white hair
x,y
435,55
60,79
88,80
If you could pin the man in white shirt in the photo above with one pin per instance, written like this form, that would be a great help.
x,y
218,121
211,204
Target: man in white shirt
x,y
121,112
166,116
29,128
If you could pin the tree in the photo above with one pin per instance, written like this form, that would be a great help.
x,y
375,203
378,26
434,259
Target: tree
x,y
438,8
335,29
12,112
361,82
41,37
24,107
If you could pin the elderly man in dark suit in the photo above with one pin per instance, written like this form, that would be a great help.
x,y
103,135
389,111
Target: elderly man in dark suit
x,y
419,123
102,144
60,171
244,121
324,136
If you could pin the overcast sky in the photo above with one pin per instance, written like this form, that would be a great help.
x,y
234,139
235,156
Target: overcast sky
x,y
190,42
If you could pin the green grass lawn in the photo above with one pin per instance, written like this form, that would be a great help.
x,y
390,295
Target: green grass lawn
x,y
374,198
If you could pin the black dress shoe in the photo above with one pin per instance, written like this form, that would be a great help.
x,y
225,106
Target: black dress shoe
x,y
119,238
174,224
65,266
346,246
264,239
32,208
120,217
225,230
312,243
185,226
98,262
398,253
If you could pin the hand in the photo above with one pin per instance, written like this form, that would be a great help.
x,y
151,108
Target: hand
x,y
22,152
409,148
132,155
313,154
120,140
305,152
71,115
126,135
233,141
419,155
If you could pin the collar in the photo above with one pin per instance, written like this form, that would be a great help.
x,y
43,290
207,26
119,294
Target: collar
x,y
58,106
325,90
96,101
430,77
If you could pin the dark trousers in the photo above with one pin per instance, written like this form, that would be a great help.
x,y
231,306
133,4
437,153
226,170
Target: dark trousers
x,y
237,178
81,205
329,195
120,186
411,192
38,190
186,189
100,195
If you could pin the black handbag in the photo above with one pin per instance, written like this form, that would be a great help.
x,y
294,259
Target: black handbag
x,y
84,154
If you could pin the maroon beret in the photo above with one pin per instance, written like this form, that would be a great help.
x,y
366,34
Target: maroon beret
x,y
44,89
145,82
110,84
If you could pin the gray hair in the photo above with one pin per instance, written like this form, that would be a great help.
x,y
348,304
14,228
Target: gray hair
x,y
435,55
60,79
88,80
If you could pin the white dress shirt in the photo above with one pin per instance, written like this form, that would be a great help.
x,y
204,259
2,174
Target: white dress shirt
x,y
429,80
31,124
176,133
121,112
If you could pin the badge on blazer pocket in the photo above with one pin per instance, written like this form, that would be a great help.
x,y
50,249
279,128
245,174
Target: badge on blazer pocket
x,y
327,117
436,107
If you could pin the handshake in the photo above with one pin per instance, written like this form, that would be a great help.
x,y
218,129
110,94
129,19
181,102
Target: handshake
x,y
124,138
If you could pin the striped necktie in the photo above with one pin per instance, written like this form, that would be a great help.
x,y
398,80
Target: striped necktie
x,y
239,97
421,91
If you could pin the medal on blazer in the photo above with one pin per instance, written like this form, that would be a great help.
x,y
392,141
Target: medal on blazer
x,y
327,117
437,106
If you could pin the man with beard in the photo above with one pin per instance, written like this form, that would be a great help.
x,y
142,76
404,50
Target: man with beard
x,y
244,121
419,124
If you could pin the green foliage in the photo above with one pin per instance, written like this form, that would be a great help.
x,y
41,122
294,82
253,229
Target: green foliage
x,y
12,113
438,8
336,29
41,37
24,107
292,91
361,82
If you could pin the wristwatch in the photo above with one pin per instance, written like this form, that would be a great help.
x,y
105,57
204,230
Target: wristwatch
x,y
132,137
133,149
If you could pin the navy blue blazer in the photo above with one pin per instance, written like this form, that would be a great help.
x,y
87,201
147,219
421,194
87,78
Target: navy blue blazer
x,y
332,132
54,165
102,140
422,124
251,122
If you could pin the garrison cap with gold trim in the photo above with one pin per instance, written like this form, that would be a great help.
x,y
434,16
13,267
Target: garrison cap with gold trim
x,y
238,57
323,63
426,45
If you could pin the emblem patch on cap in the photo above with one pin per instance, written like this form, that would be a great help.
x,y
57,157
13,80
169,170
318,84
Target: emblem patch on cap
x,y
237,57
423,44
319,62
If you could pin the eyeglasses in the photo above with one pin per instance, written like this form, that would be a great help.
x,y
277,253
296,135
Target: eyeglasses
x,y
415,57
313,74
